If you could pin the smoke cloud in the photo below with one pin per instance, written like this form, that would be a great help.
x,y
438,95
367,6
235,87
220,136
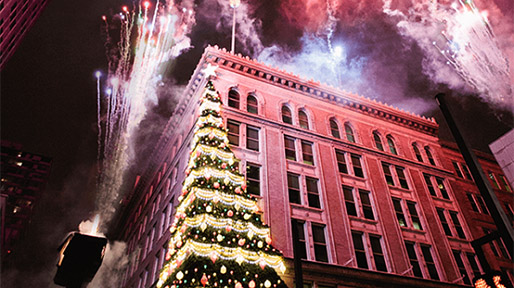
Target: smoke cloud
x,y
113,266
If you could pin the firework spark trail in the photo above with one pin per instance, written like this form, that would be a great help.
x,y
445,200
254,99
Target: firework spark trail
x,y
459,38
331,22
99,123
132,83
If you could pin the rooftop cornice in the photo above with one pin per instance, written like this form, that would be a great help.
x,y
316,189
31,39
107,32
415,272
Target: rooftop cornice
x,y
248,67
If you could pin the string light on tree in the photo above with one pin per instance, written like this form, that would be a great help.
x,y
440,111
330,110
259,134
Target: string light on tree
x,y
217,237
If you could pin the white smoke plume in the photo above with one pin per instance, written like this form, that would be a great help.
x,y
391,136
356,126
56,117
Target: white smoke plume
x,y
460,48
113,266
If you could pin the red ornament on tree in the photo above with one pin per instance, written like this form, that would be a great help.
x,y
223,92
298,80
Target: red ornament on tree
x,y
216,185
204,280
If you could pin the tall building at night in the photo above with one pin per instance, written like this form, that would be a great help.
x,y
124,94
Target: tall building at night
x,y
16,18
23,179
380,200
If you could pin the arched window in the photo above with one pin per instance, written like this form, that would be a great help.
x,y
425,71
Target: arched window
x,y
349,133
252,104
392,147
378,141
303,119
429,155
233,99
417,152
286,115
334,128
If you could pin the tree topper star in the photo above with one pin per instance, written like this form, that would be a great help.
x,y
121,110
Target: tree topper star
x,y
210,70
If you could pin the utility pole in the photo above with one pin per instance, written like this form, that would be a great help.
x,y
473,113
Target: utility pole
x,y
501,221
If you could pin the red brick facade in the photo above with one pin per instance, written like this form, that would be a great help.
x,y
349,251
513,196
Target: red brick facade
x,y
373,212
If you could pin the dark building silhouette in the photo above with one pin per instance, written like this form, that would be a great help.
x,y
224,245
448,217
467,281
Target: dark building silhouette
x,y
23,180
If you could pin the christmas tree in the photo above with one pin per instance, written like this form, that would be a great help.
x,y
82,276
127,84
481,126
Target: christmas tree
x,y
218,238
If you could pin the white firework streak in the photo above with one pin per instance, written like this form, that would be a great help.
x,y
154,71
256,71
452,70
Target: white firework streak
x,y
132,83
458,37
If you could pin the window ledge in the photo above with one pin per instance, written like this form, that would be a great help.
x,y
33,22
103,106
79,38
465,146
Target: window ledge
x,y
457,239
353,176
449,201
399,189
292,162
304,207
413,230
362,219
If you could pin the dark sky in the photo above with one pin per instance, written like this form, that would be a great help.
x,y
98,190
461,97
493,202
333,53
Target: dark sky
x,y
48,94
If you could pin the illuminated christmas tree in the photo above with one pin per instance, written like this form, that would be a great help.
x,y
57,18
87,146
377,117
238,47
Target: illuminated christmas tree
x,y
218,238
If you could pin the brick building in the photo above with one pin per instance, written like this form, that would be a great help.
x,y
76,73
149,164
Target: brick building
x,y
373,188
23,179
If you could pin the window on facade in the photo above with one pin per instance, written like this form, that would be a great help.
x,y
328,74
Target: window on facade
x,y
349,201
444,222
414,217
357,165
442,188
505,184
378,254
252,138
303,119
307,155
286,115
334,128
430,186
350,136
477,203
253,177
465,169
367,208
233,132
457,169
252,104
493,180
392,146
341,162
378,141
429,261
320,245
360,251
301,239
387,173
413,259
397,204
417,153
412,220
401,177
233,99
460,265
457,225
293,185
312,192
429,155
473,264
509,210
290,148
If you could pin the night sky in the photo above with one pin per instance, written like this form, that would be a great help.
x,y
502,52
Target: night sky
x,y
48,89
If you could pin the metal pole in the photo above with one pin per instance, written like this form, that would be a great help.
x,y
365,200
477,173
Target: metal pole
x,y
232,47
298,275
500,219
